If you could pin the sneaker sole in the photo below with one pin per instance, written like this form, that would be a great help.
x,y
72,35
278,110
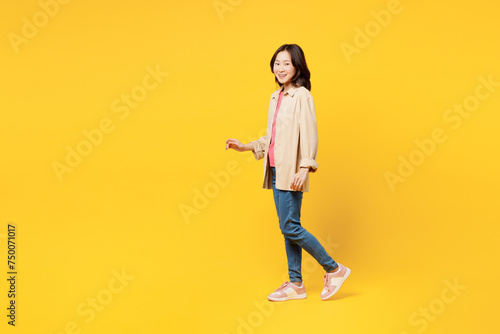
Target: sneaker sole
x,y
282,299
348,272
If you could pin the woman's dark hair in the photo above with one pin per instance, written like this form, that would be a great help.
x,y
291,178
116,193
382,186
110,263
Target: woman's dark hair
x,y
302,76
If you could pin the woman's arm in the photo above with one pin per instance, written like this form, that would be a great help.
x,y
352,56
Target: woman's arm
x,y
259,147
308,142
308,134
236,145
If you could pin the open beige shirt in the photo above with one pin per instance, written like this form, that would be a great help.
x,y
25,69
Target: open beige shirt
x,y
296,138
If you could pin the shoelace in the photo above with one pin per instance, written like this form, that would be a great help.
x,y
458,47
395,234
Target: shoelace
x,y
284,285
325,280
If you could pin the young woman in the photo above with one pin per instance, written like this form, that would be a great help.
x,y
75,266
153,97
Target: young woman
x,y
289,149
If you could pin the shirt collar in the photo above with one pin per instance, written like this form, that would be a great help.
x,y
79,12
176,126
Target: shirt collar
x,y
291,91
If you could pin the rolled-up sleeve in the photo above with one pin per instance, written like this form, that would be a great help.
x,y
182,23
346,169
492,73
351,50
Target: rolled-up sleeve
x,y
308,134
259,147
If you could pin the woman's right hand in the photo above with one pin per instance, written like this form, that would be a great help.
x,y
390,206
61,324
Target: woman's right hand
x,y
236,145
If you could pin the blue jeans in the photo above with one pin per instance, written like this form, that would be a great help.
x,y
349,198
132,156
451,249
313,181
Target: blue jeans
x,y
288,205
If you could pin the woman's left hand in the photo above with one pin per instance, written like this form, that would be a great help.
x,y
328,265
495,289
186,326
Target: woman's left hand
x,y
299,178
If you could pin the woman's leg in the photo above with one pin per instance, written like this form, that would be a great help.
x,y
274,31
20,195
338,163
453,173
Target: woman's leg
x,y
288,205
293,251
289,212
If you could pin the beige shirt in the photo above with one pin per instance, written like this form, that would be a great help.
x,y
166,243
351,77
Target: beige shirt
x,y
296,138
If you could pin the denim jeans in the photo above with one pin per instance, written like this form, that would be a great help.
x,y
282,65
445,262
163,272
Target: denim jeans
x,y
288,205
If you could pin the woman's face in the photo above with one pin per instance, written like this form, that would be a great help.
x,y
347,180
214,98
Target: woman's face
x,y
283,68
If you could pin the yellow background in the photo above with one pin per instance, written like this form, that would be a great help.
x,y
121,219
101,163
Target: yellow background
x,y
121,208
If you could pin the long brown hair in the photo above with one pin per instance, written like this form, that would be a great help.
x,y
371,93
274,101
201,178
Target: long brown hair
x,y
302,75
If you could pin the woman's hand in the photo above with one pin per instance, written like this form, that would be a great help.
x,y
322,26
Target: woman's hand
x,y
236,145
299,178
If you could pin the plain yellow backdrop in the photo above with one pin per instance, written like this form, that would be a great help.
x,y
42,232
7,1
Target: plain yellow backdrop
x,y
150,226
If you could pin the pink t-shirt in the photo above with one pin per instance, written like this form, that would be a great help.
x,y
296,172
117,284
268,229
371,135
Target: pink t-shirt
x,y
273,133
